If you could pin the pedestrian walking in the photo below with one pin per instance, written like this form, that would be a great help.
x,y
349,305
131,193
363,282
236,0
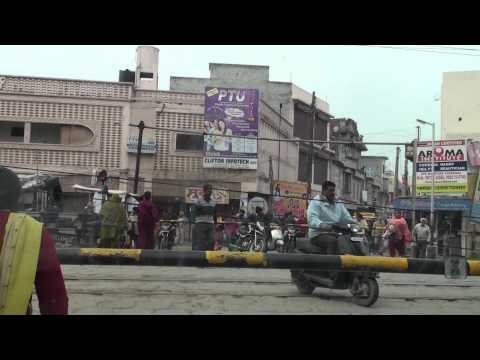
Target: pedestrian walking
x,y
402,235
28,258
114,222
182,228
147,218
204,215
422,237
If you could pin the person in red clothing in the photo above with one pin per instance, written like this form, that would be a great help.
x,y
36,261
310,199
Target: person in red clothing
x,y
28,249
147,218
401,237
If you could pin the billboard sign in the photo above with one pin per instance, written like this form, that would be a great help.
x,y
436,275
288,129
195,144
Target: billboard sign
x,y
192,194
229,113
149,145
450,167
289,197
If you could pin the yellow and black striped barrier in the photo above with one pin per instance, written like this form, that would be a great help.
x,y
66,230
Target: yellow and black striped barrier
x,y
89,256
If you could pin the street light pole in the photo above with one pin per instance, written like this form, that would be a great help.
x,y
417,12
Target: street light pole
x,y
141,127
432,170
433,177
279,129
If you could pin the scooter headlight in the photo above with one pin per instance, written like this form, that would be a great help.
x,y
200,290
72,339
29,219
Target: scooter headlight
x,y
277,235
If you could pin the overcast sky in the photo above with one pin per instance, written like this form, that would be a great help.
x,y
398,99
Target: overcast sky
x,y
383,89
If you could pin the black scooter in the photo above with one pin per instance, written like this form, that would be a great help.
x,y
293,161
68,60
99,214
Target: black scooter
x,y
363,285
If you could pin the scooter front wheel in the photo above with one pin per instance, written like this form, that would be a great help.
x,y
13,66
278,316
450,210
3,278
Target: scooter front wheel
x,y
366,292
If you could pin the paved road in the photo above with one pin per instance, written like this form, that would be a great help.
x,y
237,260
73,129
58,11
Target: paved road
x,y
188,290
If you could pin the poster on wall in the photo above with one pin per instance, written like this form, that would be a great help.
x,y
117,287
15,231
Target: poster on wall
x,y
192,194
450,167
230,112
289,197
475,212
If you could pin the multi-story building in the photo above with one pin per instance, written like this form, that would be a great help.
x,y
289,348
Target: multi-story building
x,y
377,186
294,104
346,169
63,125
459,107
459,120
80,126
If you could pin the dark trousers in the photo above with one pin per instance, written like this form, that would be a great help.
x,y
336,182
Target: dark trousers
x,y
327,244
395,244
421,248
203,237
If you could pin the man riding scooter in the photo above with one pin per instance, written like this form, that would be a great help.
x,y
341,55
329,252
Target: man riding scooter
x,y
322,212
333,231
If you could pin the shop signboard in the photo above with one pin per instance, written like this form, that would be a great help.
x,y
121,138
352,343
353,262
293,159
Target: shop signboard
x,y
192,194
231,128
450,167
289,197
257,201
149,145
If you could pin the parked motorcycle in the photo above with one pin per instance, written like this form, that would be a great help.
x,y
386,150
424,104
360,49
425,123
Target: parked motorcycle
x,y
166,235
275,240
362,284
290,239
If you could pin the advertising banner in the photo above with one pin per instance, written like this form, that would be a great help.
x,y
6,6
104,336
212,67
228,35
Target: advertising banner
x,y
474,153
450,167
475,213
231,112
297,204
192,194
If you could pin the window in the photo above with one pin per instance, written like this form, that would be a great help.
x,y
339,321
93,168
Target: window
x,y
303,166
187,142
12,131
45,133
146,75
17,132
320,171
347,183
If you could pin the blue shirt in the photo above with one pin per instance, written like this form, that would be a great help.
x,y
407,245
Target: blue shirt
x,y
320,211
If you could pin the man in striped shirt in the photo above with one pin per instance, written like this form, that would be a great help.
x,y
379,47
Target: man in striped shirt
x,y
204,216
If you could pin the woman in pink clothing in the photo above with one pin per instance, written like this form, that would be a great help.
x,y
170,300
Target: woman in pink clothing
x,y
401,237
147,217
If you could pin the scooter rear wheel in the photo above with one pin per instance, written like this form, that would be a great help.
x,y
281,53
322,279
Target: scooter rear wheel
x,y
369,296
303,286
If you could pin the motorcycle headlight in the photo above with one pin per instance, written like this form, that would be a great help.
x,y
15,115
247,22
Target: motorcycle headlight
x,y
277,235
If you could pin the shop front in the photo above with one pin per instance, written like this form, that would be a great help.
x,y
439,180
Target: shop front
x,y
449,219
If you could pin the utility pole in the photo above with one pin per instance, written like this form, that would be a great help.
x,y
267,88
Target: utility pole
x,y
395,190
279,128
141,127
418,132
270,176
414,184
310,154
405,174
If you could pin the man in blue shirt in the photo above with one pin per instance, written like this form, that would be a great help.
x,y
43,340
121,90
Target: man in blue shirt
x,y
323,212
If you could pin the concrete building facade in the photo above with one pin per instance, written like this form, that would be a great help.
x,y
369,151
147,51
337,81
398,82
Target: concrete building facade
x,y
64,125
460,107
